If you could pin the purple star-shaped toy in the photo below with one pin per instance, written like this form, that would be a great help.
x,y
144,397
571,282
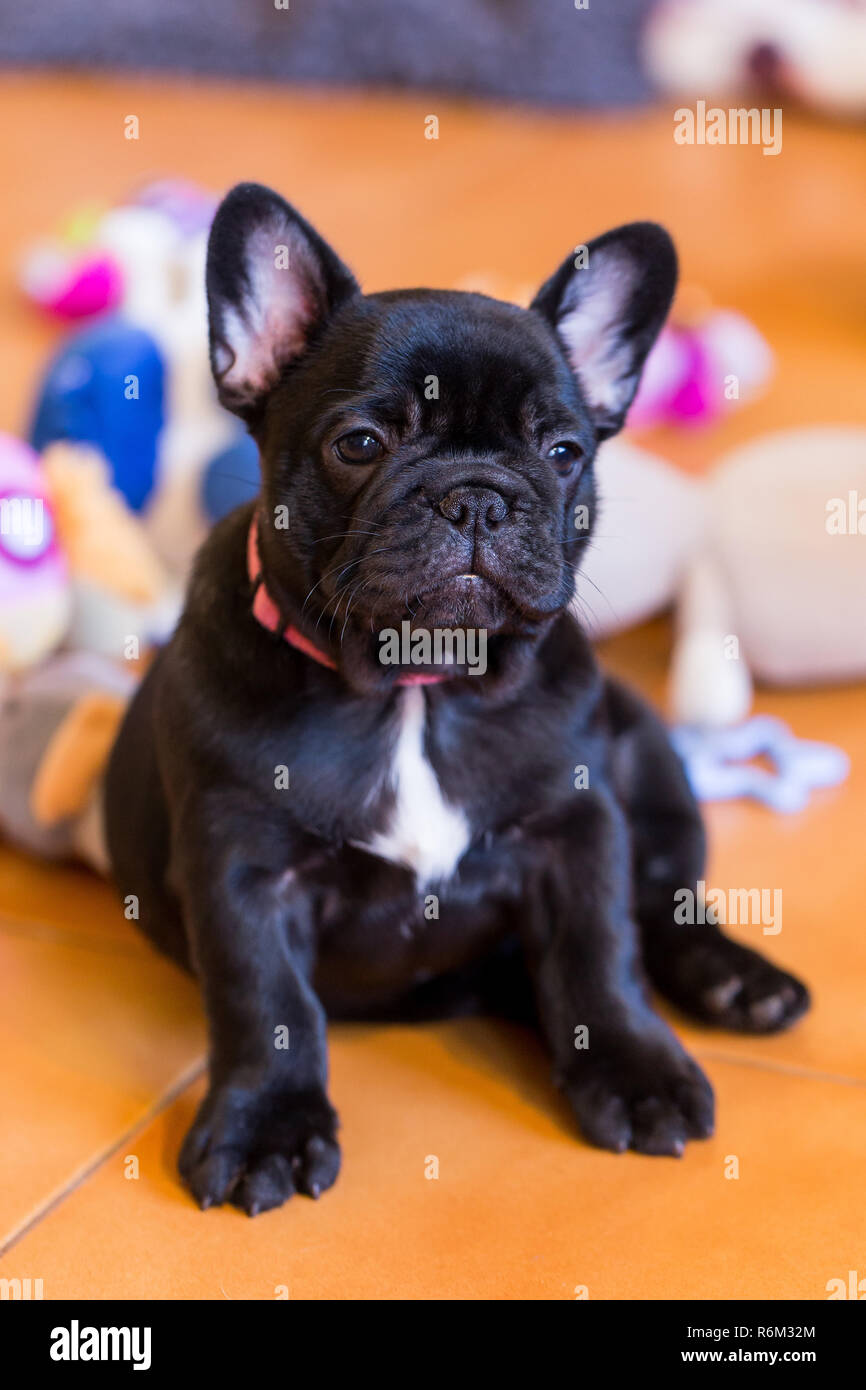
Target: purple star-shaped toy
x,y
719,767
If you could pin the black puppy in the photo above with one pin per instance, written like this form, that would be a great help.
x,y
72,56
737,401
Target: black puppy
x,y
315,832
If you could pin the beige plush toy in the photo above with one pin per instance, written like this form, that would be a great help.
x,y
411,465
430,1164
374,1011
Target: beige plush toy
x,y
808,51
82,576
57,724
120,588
764,562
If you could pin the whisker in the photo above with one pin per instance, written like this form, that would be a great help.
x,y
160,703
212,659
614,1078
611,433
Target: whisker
x,y
383,550
341,535
325,576
343,565
359,589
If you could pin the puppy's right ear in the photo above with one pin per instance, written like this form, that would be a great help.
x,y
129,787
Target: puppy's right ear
x,y
271,283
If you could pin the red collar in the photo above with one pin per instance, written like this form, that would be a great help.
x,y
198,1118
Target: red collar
x,y
265,611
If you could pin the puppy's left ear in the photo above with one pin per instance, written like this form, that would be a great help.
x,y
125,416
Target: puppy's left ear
x,y
607,304
272,282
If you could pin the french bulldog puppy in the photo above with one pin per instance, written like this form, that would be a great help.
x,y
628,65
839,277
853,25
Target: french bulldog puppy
x,y
316,830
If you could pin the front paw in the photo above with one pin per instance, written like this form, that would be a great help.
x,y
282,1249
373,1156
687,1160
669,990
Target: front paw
x,y
257,1148
641,1094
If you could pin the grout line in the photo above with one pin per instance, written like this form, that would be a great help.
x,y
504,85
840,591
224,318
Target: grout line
x,y
81,1176
785,1068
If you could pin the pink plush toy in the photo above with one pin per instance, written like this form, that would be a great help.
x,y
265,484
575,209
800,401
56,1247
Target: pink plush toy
x,y
69,285
68,275
34,585
78,273
698,370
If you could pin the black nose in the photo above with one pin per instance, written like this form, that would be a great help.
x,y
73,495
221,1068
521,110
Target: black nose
x,y
474,509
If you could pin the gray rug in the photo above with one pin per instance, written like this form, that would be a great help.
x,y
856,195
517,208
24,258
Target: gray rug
x,y
524,50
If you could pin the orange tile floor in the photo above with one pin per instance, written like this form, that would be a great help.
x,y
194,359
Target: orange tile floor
x,y
102,1042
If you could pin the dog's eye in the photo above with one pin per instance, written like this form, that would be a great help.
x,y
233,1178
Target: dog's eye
x,y
565,455
359,447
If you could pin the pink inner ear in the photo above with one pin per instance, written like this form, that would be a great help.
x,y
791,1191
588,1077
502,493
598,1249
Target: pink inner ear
x,y
591,330
269,328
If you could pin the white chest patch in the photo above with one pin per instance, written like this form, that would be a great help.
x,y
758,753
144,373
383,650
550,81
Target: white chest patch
x,y
426,833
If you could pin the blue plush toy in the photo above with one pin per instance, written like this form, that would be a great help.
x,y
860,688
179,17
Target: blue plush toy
x,y
230,478
106,387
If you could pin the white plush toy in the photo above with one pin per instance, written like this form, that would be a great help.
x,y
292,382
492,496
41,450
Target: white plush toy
x,y
163,270
764,561
811,51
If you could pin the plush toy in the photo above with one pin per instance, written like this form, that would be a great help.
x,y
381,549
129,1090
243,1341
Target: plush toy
x,y
124,600
781,569
68,275
35,598
137,385
703,363
230,478
765,565
57,724
188,206
811,51
765,550
105,387
70,284
722,763
76,567
163,261
78,273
